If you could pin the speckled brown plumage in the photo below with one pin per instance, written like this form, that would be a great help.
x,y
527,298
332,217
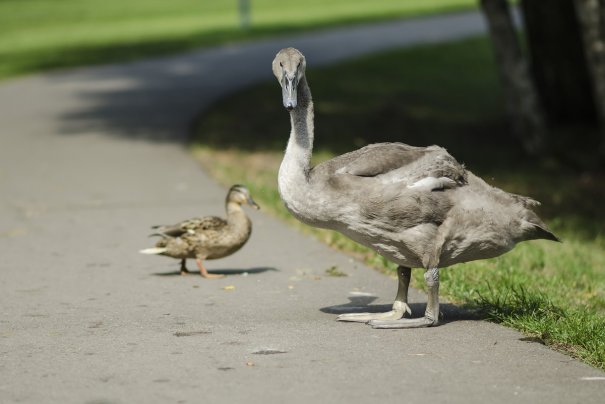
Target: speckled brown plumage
x,y
207,237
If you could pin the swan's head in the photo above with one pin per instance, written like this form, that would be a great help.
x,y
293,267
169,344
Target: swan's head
x,y
289,68
240,195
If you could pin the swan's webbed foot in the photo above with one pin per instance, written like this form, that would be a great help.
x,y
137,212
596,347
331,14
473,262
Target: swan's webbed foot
x,y
400,307
431,315
399,310
404,323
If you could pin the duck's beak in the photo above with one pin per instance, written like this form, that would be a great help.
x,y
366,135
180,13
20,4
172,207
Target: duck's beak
x,y
289,92
252,203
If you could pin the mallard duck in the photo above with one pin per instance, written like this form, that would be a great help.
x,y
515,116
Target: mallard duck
x,y
416,206
207,237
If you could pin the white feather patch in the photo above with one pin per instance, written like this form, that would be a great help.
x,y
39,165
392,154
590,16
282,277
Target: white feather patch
x,y
432,183
153,250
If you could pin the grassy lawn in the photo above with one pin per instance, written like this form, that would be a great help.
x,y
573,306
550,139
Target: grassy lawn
x,y
449,95
37,35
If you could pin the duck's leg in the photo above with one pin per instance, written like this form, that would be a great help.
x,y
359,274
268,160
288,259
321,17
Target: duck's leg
x,y
431,315
184,270
204,272
400,307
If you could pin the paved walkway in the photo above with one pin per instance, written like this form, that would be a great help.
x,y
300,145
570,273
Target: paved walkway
x,y
89,158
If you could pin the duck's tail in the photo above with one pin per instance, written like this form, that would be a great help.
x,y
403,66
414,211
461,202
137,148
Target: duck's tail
x,y
160,234
154,250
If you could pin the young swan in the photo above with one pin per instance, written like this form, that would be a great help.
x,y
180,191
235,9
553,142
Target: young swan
x,y
207,237
416,206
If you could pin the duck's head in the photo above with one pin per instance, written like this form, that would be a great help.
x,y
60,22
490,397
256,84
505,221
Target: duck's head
x,y
289,68
240,195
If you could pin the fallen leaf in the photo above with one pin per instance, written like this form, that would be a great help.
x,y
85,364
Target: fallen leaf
x,y
249,363
334,271
229,287
16,232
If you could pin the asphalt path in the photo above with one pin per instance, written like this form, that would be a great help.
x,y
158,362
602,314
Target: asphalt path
x,y
91,157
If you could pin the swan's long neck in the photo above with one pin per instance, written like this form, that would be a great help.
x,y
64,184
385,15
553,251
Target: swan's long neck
x,y
297,159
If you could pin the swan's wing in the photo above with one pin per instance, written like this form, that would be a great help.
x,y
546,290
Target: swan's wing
x,y
209,223
427,168
526,201
380,158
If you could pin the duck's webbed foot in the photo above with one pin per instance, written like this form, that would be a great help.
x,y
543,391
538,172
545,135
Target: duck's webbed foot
x,y
431,315
400,307
205,273
399,310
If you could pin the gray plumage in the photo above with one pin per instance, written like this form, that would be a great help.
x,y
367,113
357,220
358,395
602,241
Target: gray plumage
x,y
417,206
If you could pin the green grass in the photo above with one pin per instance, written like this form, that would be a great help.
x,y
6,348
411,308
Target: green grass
x,y
449,95
37,35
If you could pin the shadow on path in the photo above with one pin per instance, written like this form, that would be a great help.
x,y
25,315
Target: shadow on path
x,y
224,271
156,100
361,304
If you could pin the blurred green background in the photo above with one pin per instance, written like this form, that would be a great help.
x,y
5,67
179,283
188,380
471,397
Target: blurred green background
x,y
41,34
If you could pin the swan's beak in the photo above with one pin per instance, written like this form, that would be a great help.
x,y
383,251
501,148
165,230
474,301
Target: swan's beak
x,y
289,92
252,203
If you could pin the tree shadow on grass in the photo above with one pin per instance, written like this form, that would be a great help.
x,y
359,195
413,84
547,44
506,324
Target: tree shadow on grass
x,y
155,100
445,94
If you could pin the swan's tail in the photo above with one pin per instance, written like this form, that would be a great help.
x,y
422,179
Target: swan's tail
x,y
538,230
542,232
154,250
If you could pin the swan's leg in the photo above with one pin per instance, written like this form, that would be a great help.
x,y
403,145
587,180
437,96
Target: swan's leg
x,y
204,272
431,315
184,270
400,307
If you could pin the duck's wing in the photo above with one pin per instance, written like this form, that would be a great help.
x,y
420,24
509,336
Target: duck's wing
x,y
167,230
422,167
210,223
190,226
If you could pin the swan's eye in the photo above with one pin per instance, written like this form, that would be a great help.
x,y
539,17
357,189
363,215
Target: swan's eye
x,y
281,64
